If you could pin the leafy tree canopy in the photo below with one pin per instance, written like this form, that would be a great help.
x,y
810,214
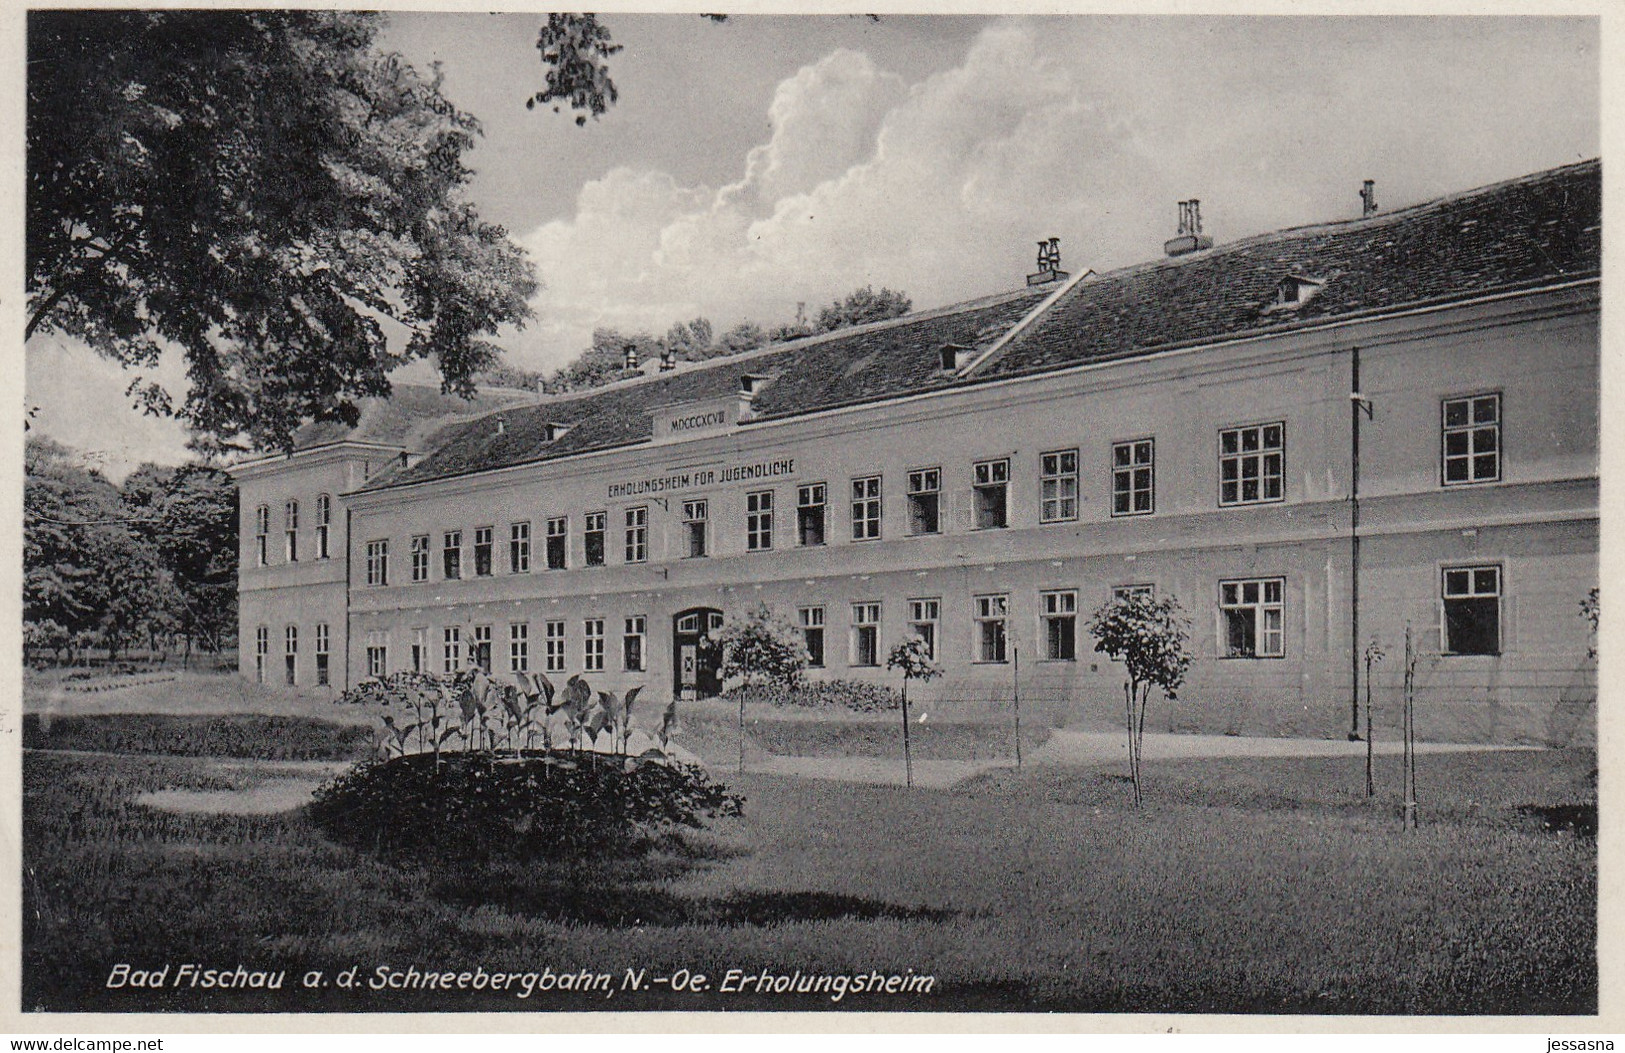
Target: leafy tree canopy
x,y
760,648
266,191
862,306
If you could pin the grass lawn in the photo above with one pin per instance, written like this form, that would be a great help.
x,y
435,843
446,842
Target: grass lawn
x,y
1251,885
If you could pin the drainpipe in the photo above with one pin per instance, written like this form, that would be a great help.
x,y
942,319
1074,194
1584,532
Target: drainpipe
x,y
1358,404
348,571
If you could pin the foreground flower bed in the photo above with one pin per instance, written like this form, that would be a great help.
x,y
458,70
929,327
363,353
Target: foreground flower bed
x,y
531,804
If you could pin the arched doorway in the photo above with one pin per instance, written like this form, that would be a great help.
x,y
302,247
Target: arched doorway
x,y
695,667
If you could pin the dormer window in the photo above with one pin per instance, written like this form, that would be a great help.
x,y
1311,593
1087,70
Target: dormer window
x,y
954,357
751,384
1294,291
553,431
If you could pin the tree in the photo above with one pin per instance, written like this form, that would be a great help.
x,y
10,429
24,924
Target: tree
x,y
692,340
862,306
911,657
87,575
746,336
759,648
188,515
1151,637
268,193
604,362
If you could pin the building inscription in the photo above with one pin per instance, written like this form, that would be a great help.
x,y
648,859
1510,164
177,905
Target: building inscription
x,y
691,478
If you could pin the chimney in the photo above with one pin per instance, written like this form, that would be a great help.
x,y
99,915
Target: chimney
x,y
1368,198
1190,237
1049,264
631,356
668,360
502,425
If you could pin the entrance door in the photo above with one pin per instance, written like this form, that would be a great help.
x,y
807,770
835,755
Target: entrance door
x,y
696,672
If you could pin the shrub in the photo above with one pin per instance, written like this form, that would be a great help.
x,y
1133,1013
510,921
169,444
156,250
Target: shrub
x,y
858,696
542,804
239,735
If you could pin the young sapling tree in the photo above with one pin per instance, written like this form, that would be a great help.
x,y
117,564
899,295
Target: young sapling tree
x,y
1151,637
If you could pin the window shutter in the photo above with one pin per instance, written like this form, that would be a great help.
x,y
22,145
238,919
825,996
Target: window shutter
x,y
1509,622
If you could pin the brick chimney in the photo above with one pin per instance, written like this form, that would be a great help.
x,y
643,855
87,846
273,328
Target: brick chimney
x,y
1368,198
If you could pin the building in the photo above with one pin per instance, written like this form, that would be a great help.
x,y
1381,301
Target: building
x,y
1311,439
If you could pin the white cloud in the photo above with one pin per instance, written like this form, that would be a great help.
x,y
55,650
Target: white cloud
x,y
1086,129
78,396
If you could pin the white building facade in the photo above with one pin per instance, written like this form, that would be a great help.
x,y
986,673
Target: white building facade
x,y
1310,439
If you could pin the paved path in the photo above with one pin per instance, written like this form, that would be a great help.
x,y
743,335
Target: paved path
x,y
1081,749
290,783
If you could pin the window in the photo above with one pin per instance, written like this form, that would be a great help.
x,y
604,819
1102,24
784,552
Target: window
x,y
479,649
592,646
866,634
377,653
519,647
1251,464
482,551
1129,592
420,557
1472,610
553,641
420,650
519,547
923,616
924,501
810,515
324,520
1472,439
452,652
378,563
812,634
992,485
632,644
991,612
451,554
759,521
290,521
866,508
637,534
593,537
262,530
323,646
695,515
1059,470
262,647
1134,489
1252,612
558,533
1060,621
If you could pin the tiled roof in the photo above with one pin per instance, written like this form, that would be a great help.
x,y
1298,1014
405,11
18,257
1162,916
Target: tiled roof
x,y
837,369
1538,230
415,416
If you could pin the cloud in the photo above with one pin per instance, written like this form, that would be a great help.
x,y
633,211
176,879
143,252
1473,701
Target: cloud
x,y
77,395
1089,129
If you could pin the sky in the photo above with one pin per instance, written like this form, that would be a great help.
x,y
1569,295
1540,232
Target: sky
x,y
768,161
